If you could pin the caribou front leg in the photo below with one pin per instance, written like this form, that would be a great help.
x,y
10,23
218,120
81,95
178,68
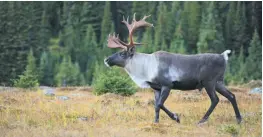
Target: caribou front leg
x,y
160,98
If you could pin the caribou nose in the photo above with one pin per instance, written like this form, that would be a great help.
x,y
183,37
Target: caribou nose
x,y
106,62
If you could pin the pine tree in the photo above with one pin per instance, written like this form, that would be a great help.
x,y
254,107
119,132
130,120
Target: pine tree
x,y
45,33
253,61
46,69
31,67
228,29
30,75
191,18
173,21
178,44
239,28
161,28
211,35
80,80
239,72
106,24
147,41
66,73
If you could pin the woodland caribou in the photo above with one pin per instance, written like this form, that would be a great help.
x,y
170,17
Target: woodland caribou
x,y
163,71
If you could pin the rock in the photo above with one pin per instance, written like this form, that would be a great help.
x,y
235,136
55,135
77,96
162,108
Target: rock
x,y
62,97
48,91
82,118
256,90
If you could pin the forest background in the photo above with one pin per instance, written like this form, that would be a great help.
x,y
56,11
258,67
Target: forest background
x,y
64,43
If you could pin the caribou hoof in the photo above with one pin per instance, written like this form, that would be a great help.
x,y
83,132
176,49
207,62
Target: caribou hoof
x,y
176,118
239,120
202,122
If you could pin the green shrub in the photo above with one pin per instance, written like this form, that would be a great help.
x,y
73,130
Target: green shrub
x,y
231,129
26,81
30,76
113,81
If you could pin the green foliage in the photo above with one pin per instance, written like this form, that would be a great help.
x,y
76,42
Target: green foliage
x,y
161,28
69,74
29,79
46,69
106,23
191,23
80,29
237,69
254,59
26,81
113,81
231,129
211,35
178,44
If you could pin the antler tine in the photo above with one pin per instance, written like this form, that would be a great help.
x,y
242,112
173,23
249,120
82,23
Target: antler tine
x,y
134,19
115,42
133,26
145,17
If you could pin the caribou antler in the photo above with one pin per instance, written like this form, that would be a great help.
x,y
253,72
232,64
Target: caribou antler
x,y
115,42
134,25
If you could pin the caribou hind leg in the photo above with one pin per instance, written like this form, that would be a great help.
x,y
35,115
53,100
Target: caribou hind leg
x,y
210,89
220,88
160,98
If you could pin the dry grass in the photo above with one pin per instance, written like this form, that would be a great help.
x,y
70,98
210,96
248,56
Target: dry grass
x,y
32,114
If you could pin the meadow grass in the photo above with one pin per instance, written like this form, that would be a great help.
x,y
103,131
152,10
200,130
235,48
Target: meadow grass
x,y
32,114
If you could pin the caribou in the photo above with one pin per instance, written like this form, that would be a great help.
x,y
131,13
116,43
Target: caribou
x,y
163,71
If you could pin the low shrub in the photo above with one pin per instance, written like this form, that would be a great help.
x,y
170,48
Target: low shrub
x,y
113,81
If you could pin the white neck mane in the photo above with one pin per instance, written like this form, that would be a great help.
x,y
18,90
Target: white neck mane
x,y
141,68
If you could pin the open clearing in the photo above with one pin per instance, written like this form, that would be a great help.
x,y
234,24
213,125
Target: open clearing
x,y
33,114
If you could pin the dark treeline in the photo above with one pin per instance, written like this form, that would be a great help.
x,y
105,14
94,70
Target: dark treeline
x,y
68,40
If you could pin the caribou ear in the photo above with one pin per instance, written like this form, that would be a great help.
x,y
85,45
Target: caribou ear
x,y
131,51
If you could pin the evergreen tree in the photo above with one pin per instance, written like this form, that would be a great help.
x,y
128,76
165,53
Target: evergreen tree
x,y
254,59
30,75
46,69
147,41
160,42
68,74
228,29
106,24
31,67
45,28
239,72
239,28
191,18
211,36
178,44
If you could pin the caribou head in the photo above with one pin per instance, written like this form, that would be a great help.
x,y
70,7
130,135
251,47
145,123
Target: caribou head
x,y
128,50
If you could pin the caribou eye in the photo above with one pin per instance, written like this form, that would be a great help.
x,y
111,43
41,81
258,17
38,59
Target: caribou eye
x,y
122,54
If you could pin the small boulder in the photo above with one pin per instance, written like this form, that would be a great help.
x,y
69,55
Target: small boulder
x,y
62,97
83,118
257,90
49,92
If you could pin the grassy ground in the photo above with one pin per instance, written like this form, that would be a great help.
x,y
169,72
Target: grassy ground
x,y
32,114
